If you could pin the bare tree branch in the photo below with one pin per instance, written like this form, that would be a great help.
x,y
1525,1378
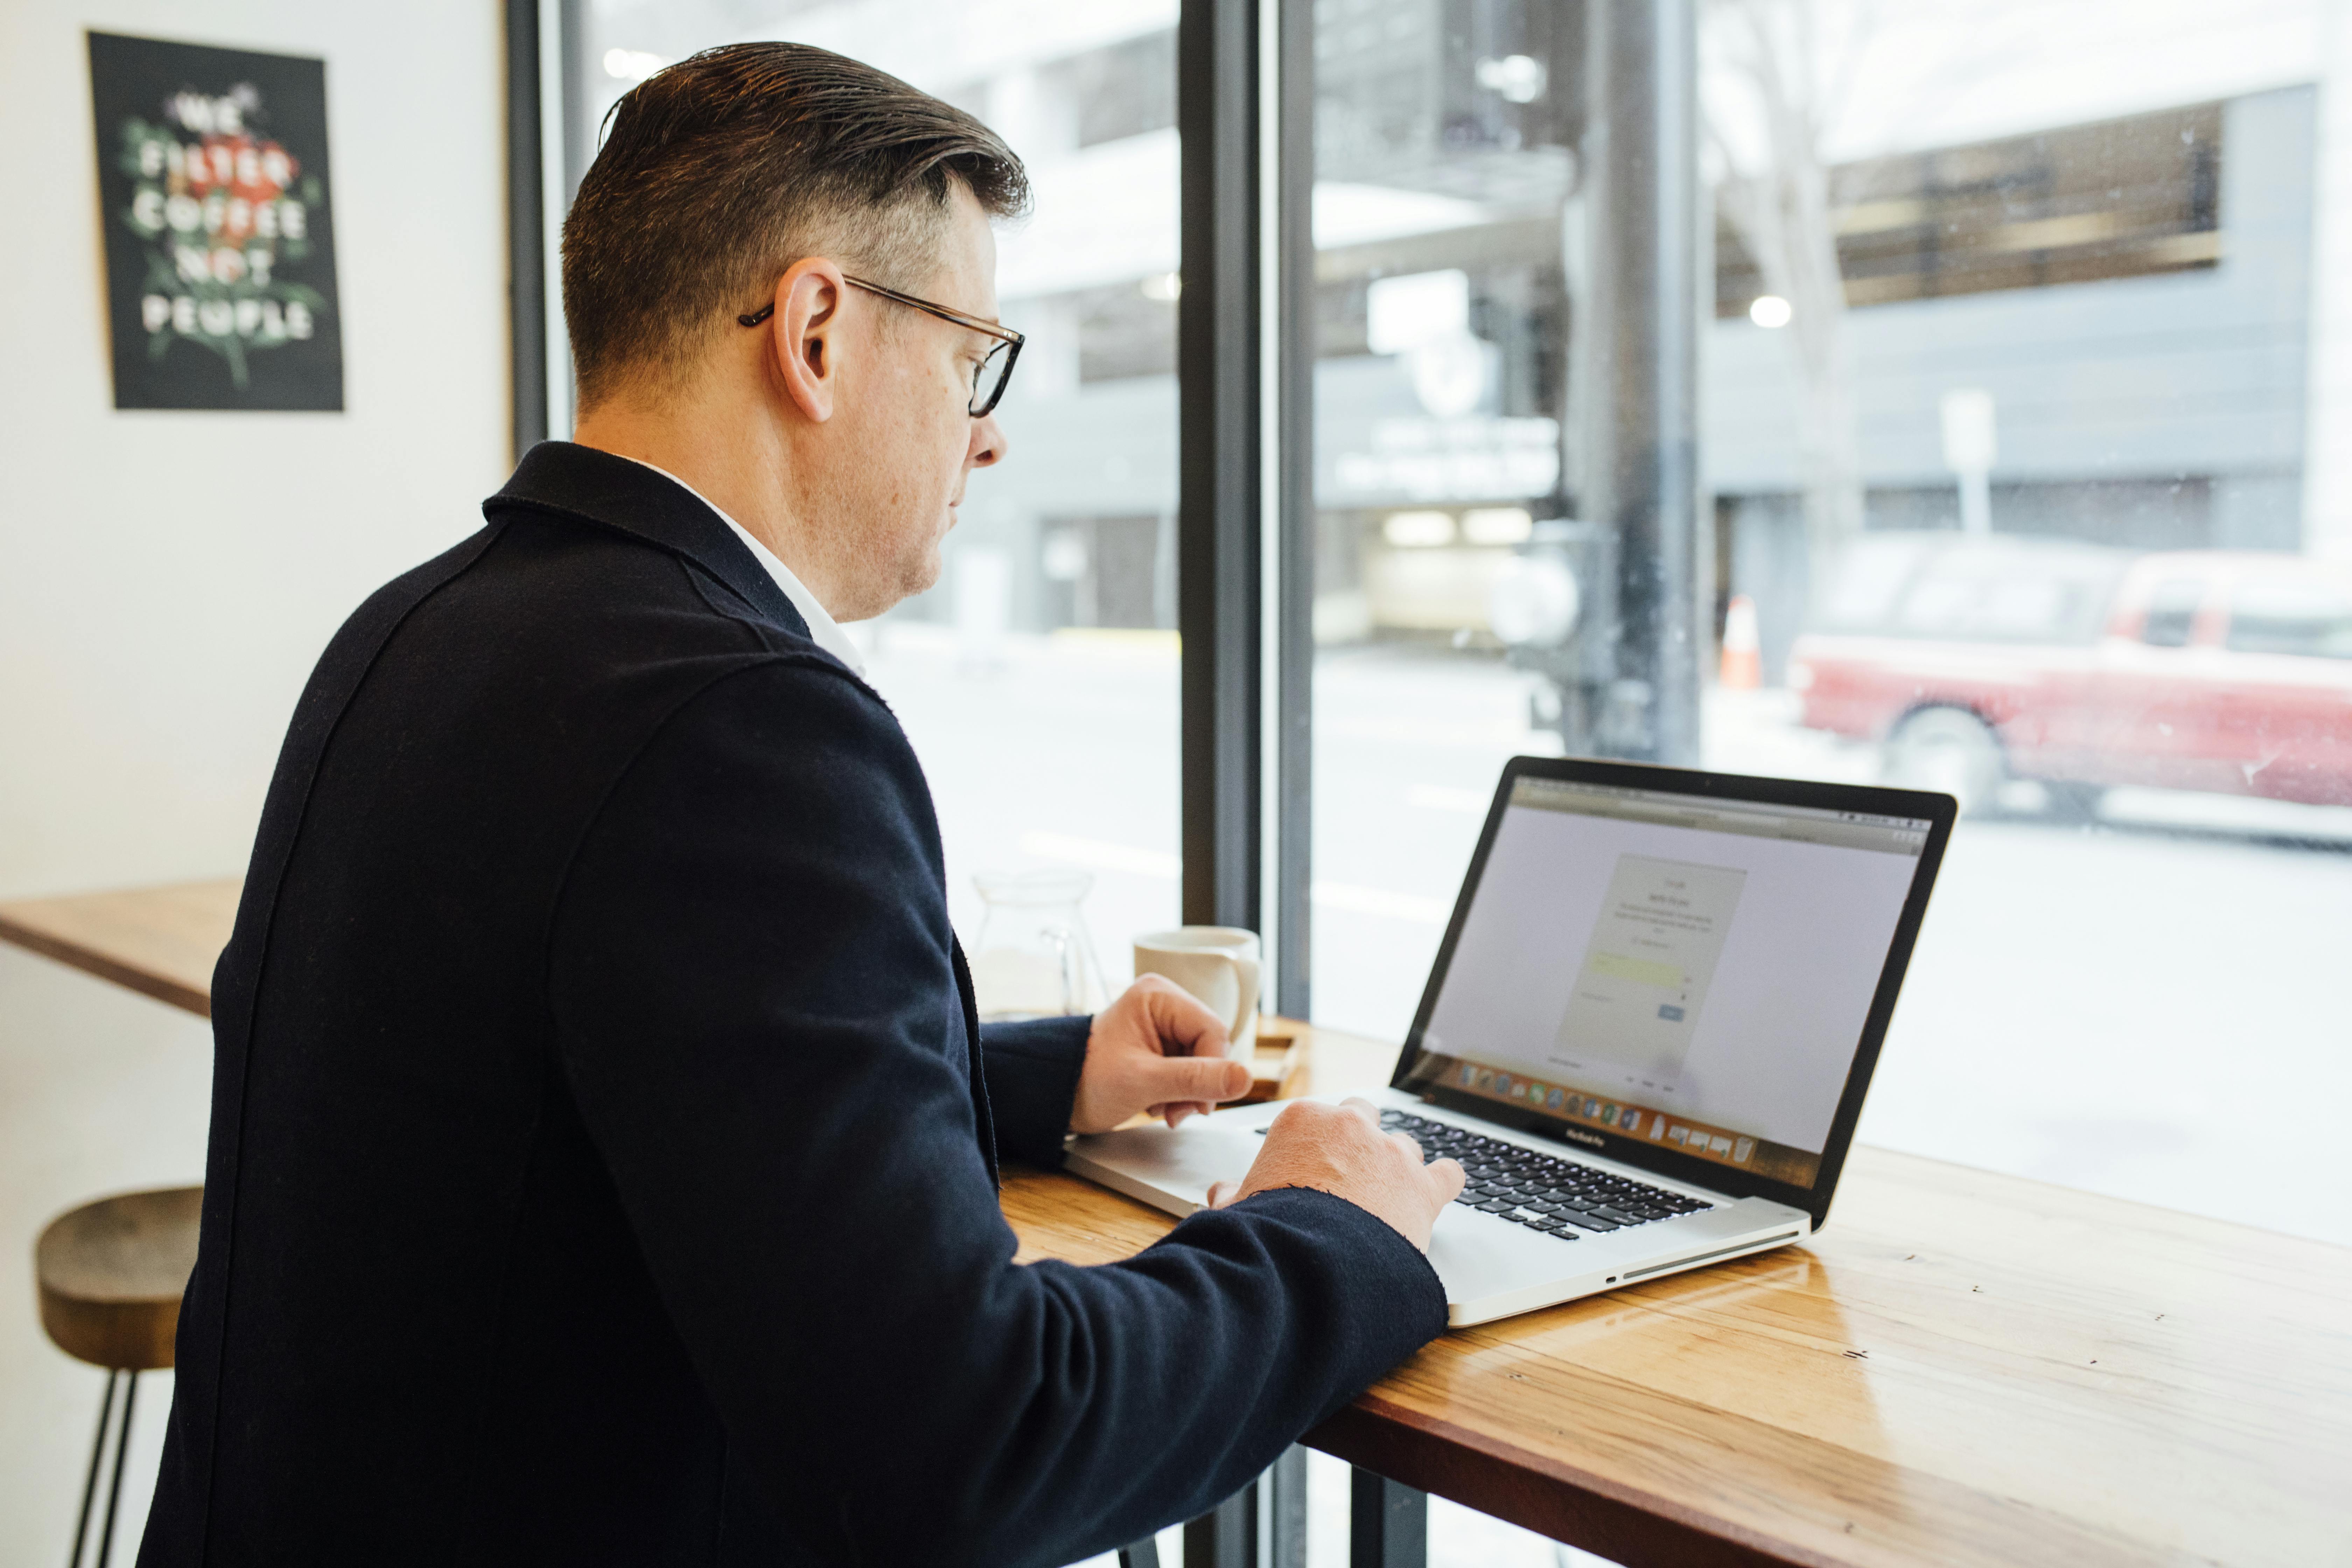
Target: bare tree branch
x,y
1782,214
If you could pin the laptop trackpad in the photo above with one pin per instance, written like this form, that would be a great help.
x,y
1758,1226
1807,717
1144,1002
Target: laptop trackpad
x,y
1477,1255
1170,1170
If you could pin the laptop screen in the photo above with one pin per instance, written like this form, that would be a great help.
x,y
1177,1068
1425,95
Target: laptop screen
x,y
1695,973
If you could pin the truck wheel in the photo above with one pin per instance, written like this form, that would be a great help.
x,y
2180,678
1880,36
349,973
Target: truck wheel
x,y
1950,750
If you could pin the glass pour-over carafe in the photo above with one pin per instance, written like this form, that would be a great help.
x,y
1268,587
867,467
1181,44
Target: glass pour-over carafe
x,y
1034,959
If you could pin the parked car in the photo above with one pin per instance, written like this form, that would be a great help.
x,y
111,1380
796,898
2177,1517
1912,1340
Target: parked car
x,y
1974,660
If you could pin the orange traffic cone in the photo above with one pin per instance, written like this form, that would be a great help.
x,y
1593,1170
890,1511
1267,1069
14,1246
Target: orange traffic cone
x,y
1743,661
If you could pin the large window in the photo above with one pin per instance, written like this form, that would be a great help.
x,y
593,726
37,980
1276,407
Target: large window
x,y
2000,422
2001,432
1037,680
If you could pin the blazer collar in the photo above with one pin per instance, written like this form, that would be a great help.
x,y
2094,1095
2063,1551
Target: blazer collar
x,y
589,486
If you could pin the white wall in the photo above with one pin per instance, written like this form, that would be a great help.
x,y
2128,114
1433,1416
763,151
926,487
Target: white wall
x,y
167,580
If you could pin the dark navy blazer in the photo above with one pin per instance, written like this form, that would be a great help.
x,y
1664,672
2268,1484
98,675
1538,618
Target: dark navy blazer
x,y
603,1143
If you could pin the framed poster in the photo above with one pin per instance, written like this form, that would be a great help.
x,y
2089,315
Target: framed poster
x,y
220,243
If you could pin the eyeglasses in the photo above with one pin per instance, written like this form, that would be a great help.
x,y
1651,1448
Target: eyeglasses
x,y
988,378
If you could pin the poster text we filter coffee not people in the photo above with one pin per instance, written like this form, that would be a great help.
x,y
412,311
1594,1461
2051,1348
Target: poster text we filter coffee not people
x,y
220,255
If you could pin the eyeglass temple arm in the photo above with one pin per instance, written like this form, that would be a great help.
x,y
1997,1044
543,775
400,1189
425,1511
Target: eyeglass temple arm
x,y
1008,344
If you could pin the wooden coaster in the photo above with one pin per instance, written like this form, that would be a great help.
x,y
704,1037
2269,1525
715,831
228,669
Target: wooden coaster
x,y
1280,1069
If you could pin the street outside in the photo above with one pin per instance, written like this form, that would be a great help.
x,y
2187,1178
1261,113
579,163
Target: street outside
x,y
2143,1007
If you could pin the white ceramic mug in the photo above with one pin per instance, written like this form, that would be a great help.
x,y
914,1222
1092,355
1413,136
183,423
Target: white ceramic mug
x,y
1216,963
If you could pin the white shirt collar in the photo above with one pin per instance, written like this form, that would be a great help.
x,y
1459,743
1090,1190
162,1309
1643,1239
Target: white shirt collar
x,y
824,630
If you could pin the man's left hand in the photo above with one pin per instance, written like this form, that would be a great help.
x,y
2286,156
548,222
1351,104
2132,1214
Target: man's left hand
x,y
1155,1049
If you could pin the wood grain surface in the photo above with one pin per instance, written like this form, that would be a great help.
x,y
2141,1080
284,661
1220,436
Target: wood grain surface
x,y
1960,1368
161,942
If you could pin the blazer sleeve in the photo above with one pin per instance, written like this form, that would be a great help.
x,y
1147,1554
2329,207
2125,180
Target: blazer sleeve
x,y
1032,1070
754,1006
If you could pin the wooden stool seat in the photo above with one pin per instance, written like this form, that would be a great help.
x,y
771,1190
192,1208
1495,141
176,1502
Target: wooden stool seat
x,y
111,1273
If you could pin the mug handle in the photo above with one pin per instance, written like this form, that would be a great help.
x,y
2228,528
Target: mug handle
x,y
1245,993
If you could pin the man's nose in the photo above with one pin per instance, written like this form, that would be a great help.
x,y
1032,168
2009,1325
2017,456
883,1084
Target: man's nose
x,y
988,443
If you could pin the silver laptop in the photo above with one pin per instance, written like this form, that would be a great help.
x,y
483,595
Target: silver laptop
x,y
1648,1032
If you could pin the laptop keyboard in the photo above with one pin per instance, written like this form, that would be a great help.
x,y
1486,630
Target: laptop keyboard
x,y
1559,1197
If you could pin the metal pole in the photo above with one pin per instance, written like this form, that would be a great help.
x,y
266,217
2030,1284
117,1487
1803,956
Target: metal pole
x,y
1227,1536
1387,1524
1264,1525
1642,436
1282,1513
1294,649
1218,459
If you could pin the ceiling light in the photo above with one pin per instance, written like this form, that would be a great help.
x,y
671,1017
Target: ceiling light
x,y
1497,525
1769,311
1418,529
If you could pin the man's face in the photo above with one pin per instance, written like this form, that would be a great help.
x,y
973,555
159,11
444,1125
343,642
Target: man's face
x,y
904,441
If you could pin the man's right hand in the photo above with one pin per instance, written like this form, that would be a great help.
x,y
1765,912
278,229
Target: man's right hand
x,y
1340,1150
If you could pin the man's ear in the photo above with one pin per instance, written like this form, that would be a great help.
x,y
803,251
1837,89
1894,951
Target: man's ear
x,y
804,338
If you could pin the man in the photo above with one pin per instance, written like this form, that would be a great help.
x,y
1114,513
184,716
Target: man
x,y
603,1141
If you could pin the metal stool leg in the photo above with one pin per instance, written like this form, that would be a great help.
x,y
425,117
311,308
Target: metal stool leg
x,y
1144,1553
97,1452
114,1489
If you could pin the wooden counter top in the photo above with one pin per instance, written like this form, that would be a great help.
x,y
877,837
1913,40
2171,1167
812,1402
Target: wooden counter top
x,y
1960,1368
161,942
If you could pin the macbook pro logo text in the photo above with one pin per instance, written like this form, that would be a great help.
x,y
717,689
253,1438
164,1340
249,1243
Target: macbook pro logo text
x,y
1585,1138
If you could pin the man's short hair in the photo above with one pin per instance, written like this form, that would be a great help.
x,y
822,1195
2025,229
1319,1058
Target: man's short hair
x,y
726,168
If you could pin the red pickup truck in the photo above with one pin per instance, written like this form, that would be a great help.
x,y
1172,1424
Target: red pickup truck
x,y
1974,660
